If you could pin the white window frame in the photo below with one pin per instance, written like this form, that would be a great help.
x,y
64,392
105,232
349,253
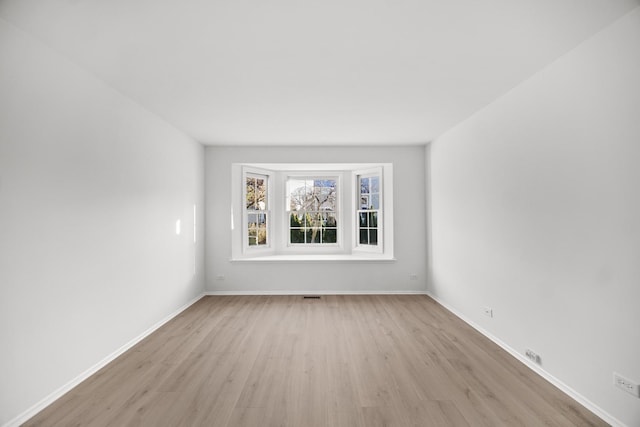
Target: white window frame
x,y
339,212
357,175
250,172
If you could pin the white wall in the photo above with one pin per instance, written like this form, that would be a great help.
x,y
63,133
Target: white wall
x,y
338,276
536,213
90,188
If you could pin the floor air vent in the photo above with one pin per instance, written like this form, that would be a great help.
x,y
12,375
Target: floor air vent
x,y
311,297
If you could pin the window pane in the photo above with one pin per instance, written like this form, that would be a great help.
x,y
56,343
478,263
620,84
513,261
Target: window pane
x,y
296,220
252,237
252,229
329,235
261,194
327,198
262,229
297,235
373,219
373,236
323,194
375,201
251,192
313,235
375,184
363,219
330,220
364,239
364,202
262,234
299,195
328,183
311,219
364,186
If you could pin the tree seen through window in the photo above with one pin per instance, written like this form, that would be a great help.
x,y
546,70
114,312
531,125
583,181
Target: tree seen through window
x,y
256,203
313,214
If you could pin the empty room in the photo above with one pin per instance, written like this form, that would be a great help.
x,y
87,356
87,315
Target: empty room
x,y
332,213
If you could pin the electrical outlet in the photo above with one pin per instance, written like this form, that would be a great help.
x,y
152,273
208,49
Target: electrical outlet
x,y
533,356
413,277
220,277
626,385
488,311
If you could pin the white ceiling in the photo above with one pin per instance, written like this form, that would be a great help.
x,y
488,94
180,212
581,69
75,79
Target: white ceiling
x,y
313,72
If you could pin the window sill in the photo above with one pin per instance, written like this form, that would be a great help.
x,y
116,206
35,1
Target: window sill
x,y
318,258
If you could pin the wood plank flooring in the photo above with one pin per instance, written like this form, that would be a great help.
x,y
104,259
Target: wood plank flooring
x,y
338,361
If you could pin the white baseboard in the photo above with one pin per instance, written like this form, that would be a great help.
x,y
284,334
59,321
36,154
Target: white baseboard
x,y
341,292
35,409
536,368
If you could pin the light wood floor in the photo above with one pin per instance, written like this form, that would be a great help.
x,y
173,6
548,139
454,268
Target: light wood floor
x,y
338,361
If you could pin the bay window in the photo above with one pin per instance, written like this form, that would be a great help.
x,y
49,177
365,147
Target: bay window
x,y
312,212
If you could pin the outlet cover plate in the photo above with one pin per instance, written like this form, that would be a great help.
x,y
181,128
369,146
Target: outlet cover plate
x,y
626,384
533,356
